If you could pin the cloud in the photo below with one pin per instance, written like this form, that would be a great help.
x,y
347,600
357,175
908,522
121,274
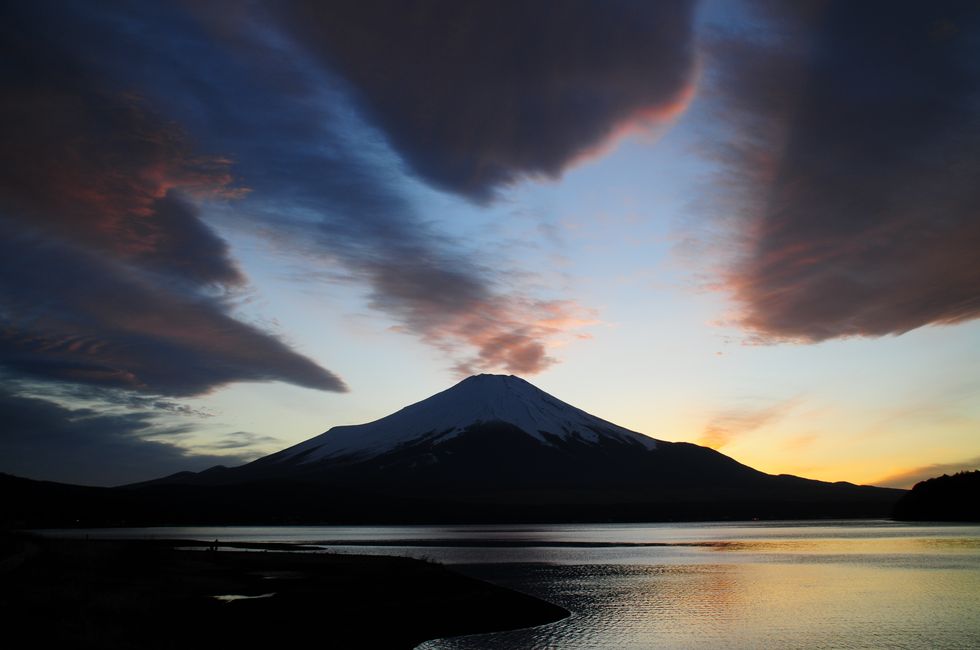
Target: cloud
x,y
108,180
71,315
245,440
96,167
44,440
476,96
728,425
108,275
515,335
431,287
330,198
851,165
909,477
106,397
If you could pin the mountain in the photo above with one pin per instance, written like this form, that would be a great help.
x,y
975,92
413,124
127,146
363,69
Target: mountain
x,y
496,448
447,415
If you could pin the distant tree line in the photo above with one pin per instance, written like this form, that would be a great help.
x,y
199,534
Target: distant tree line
x,y
945,498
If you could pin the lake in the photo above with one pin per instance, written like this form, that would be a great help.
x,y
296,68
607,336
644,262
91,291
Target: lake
x,y
842,584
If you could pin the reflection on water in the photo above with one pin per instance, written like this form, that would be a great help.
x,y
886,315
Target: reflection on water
x,y
758,605
230,598
840,586
744,585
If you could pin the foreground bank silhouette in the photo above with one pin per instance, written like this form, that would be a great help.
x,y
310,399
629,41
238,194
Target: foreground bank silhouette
x,y
144,594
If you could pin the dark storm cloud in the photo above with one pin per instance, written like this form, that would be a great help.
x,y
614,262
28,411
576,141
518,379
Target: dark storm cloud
x,y
476,95
96,166
855,166
72,315
108,275
47,441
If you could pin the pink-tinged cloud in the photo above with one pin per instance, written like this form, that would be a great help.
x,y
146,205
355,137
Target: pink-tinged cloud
x,y
98,168
309,186
647,122
476,96
76,316
108,275
456,309
850,168
513,335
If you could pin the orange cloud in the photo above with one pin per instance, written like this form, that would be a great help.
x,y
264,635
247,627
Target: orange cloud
x,y
728,425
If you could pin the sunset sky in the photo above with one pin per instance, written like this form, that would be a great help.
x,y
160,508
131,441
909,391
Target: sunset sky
x,y
227,226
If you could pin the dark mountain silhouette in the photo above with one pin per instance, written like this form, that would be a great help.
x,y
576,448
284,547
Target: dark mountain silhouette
x,y
491,448
945,498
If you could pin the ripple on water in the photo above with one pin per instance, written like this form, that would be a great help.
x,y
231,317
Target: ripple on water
x,y
751,605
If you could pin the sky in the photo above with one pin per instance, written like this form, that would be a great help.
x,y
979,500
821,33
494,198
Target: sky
x,y
226,227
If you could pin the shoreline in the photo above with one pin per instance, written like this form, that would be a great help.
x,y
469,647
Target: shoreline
x,y
153,594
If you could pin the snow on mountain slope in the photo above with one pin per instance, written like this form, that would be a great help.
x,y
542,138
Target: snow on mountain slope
x,y
480,398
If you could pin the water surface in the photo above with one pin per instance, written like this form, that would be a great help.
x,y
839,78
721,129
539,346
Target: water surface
x,y
705,585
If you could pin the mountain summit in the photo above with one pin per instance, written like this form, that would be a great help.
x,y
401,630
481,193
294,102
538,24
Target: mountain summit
x,y
475,401
497,448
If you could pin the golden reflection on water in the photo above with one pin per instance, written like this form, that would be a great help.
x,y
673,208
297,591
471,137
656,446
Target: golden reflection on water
x,y
847,546
794,593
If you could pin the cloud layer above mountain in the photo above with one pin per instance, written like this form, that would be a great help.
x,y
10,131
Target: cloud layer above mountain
x,y
108,275
479,95
853,166
122,123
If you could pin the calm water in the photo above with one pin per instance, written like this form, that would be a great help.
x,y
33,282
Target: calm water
x,y
742,585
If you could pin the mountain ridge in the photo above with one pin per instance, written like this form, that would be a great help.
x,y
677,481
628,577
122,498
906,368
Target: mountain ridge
x,y
466,454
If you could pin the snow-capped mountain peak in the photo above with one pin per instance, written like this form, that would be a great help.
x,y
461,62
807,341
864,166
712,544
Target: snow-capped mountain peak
x,y
473,401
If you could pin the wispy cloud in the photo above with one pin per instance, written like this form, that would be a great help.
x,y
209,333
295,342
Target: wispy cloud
x,y
45,440
245,443
730,424
908,477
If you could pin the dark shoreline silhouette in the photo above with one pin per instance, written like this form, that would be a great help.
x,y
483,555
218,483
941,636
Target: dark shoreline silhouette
x,y
40,504
150,594
944,498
